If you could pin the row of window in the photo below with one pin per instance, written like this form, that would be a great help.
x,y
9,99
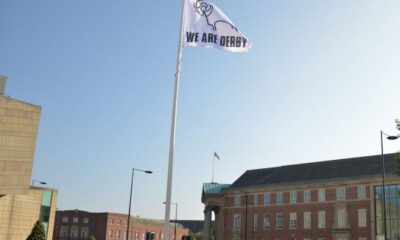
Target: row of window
x,y
118,222
340,196
279,222
122,235
75,220
74,233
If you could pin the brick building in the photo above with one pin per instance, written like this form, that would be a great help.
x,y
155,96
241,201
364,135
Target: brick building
x,y
329,200
79,225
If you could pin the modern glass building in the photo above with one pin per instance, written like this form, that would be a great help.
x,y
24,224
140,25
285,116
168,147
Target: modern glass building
x,y
392,210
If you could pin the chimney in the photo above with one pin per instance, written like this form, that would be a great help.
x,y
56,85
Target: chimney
x,y
3,80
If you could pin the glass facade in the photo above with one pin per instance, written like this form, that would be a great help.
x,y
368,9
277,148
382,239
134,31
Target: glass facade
x,y
392,210
45,209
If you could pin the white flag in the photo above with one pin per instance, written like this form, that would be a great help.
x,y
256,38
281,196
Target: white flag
x,y
205,25
216,155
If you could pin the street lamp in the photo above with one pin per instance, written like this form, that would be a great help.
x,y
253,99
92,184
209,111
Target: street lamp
x,y
130,197
36,181
389,137
176,217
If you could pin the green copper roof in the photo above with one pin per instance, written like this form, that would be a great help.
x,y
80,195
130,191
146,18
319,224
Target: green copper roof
x,y
214,188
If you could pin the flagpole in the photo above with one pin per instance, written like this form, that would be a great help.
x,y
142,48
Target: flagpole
x,y
173,125
212,176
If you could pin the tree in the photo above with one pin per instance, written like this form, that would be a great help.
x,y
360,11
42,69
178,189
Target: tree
x,y
37,232
196,236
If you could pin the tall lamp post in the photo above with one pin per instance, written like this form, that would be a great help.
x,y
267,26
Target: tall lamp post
x,y
389,137
176,217
130,197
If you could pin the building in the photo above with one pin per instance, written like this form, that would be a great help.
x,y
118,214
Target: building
x,y
21,204
193,225
329,200
19,212
18,131
77,224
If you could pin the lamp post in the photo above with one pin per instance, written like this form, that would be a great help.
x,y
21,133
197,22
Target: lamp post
x,y
389,137
36,181
176,217
130,197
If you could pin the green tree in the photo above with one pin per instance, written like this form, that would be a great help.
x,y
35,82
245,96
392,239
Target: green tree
x,y
196,236
37,232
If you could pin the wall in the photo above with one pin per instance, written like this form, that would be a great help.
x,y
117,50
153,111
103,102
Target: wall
x,y
19,212
18,130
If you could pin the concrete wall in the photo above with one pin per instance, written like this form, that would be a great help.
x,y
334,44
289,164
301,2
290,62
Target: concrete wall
x,y
18,130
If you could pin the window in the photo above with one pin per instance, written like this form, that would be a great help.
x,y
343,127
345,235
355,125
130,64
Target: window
x,y
267,199
85,220
293,220
362,218
65,219
75,220
321,219
307,220
111,221
255,217
321,195
137,235
84,232
341,218
110,233
74,232
340,193
279,220
279,197
236,222
64,232
237,201
267,222
293,197
117,234
119,221
307,196
255,199
361,192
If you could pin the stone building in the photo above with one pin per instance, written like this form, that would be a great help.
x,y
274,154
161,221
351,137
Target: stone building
x,y
77,224
21,205
338,200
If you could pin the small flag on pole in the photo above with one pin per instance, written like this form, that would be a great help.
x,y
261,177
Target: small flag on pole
x,y
216,156
205,25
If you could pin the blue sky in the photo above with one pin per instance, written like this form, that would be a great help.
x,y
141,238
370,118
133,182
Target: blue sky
x,y
320,83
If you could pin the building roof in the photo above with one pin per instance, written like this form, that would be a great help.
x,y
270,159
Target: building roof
x,y
369,166
214,188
